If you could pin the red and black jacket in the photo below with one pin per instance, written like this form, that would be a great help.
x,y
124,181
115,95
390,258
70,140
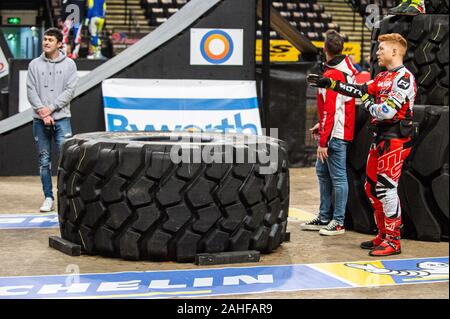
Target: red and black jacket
x,y
336,111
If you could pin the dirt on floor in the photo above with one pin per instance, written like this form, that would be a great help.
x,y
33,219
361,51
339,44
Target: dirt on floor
x,y
26,252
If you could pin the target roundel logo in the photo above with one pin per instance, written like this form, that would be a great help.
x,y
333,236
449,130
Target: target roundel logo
x,y
216,46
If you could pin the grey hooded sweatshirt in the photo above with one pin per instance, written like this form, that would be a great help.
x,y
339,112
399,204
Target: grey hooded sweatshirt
x,y
51,83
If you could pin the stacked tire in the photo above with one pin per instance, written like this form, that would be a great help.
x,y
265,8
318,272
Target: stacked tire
x,y
423,188
427,57
123,195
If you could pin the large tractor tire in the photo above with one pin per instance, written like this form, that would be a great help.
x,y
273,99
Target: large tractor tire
x,y
424,186
427,57
359,216
122,195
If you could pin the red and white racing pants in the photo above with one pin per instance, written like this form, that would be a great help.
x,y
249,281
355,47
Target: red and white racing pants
x,y
383,171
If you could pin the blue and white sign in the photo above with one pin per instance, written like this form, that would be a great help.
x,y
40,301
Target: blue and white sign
x,y
228,281
217,46
166,284
27,221
181,105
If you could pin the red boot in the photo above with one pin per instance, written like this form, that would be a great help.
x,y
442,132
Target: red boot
x,y
391,245
379,220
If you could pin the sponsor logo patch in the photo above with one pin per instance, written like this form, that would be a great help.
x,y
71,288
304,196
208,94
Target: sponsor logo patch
x,y
404,83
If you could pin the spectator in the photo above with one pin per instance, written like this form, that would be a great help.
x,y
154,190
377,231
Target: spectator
x,y
366,63
73,14
335,132
355,64
96,14
51,82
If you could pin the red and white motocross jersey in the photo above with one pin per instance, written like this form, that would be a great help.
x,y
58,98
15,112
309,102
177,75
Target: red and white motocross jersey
x,y
336,111
394,92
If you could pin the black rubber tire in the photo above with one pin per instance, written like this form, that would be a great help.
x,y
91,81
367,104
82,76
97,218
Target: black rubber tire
x,y
436,6
120,195
427,56
424,186
359,216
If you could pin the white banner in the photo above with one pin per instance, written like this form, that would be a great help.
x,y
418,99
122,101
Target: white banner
x,y
181,105
217,47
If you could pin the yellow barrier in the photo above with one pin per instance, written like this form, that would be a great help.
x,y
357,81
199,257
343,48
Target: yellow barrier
x,y
284,51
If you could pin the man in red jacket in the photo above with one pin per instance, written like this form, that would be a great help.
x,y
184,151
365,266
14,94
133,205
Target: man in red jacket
x,y
389,99
335,131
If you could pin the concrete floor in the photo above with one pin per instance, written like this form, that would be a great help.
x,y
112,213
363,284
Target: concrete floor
x,y
26,252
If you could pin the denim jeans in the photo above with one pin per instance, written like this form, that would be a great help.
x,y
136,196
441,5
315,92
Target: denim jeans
x,y
332,176
43,136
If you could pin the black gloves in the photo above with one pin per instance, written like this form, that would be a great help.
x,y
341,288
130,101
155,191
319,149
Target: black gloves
x,y
367,101
321,82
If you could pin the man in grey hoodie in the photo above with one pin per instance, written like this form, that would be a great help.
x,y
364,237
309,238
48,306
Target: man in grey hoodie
x,y
51,83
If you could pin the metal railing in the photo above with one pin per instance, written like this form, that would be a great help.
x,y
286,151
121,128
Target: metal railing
x,y
48,8
355,7
130,19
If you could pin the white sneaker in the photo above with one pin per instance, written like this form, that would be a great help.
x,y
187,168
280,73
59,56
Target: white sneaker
x,y
332,229
47,205
314,224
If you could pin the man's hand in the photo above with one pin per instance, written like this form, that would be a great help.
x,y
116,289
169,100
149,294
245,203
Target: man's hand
x,y
48,121
44,112
315,130
322,153
367,101
321,82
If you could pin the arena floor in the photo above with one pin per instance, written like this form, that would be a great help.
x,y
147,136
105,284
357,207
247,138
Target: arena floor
x,y
25,252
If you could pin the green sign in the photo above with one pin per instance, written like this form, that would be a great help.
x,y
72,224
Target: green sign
x,y
13,20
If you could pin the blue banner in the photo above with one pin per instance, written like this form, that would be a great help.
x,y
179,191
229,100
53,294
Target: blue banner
x,y
181,105
24,221
130,103
227,281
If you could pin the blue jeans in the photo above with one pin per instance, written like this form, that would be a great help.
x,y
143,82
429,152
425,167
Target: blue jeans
x,y
332,176
43,136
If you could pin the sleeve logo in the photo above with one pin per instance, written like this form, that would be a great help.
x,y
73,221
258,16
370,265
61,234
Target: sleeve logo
x,y
404,83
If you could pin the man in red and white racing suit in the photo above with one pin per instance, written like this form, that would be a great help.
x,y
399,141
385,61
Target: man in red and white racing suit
x,y
389,99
